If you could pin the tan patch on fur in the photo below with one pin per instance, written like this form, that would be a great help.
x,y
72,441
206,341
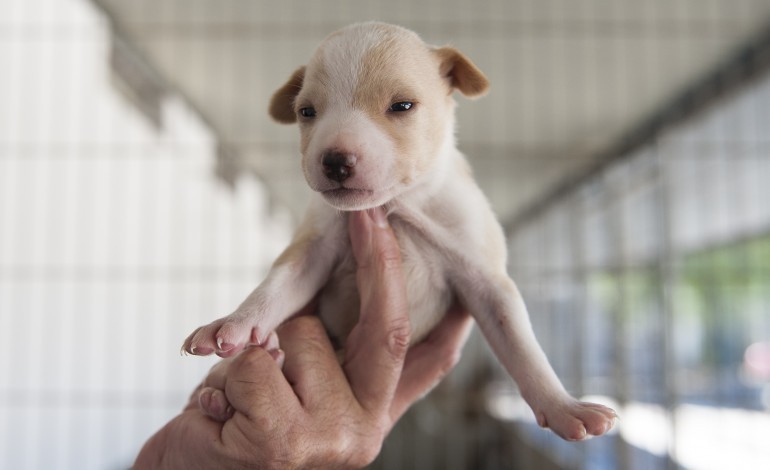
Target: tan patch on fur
x,y
402,68
367,68
462,73
282,103
296,252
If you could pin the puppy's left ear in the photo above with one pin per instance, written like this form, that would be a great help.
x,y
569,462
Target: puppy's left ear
x,y
282,103
463,74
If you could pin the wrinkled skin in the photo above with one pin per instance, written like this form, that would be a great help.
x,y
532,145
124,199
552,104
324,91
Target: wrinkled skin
x,y
296,406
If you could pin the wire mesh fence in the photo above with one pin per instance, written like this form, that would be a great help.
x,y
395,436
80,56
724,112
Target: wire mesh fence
x,y
658,265
124,223
115,239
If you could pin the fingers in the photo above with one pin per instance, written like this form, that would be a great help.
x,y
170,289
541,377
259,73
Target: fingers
x,y
429,361
254,382
211,396
217,376
377,345
311,365
214,404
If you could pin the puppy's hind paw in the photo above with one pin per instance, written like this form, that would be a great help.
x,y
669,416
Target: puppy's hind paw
x,y
576,420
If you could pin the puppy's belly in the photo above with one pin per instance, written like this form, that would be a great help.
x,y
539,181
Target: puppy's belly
x,y
428,293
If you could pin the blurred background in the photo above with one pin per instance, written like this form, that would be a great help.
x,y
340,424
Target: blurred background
x,y
624,145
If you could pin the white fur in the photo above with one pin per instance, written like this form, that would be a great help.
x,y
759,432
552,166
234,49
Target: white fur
x,y
452,246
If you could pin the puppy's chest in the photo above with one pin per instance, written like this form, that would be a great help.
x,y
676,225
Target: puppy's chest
x,y
428,291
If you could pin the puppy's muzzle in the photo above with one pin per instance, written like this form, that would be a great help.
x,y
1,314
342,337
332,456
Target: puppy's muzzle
x,y
338,166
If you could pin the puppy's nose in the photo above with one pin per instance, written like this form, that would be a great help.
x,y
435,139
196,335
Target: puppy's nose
x,y
338,166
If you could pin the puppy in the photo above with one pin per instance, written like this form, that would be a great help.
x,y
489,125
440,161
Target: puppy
x,y
376,116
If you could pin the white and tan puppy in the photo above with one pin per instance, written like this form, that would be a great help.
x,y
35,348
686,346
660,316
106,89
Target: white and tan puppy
x,y
376,118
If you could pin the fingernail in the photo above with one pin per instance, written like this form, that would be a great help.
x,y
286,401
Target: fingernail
x,y
278,355
204,399
378,216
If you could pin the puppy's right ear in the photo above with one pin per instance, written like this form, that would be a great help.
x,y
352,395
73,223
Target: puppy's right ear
x,y
282,103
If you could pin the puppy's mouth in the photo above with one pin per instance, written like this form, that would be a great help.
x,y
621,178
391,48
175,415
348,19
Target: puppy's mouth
x,y
343,192
347,198
351,199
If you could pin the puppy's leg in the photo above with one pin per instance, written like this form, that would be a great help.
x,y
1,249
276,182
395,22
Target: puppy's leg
x,y
502,316
295,278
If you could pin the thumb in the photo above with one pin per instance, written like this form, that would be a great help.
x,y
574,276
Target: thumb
x,y
377,345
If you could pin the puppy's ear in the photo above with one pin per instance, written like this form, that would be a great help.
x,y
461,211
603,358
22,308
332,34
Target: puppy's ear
x,y
282,102
462,74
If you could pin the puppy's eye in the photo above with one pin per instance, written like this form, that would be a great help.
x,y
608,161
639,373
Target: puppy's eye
x,y
307,112
401,106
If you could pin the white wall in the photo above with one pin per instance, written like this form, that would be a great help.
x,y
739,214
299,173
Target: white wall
x,y
116,241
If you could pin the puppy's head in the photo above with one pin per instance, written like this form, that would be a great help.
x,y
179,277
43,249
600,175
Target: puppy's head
x,y
375,111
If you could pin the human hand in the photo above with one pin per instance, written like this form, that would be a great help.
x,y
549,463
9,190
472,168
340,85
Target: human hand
x,y
316,413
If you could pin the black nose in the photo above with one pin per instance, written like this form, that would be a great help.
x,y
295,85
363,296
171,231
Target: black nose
x,y
338,166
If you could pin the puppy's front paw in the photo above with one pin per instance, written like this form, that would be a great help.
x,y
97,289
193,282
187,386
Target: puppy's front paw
x,y
574,420
226,336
